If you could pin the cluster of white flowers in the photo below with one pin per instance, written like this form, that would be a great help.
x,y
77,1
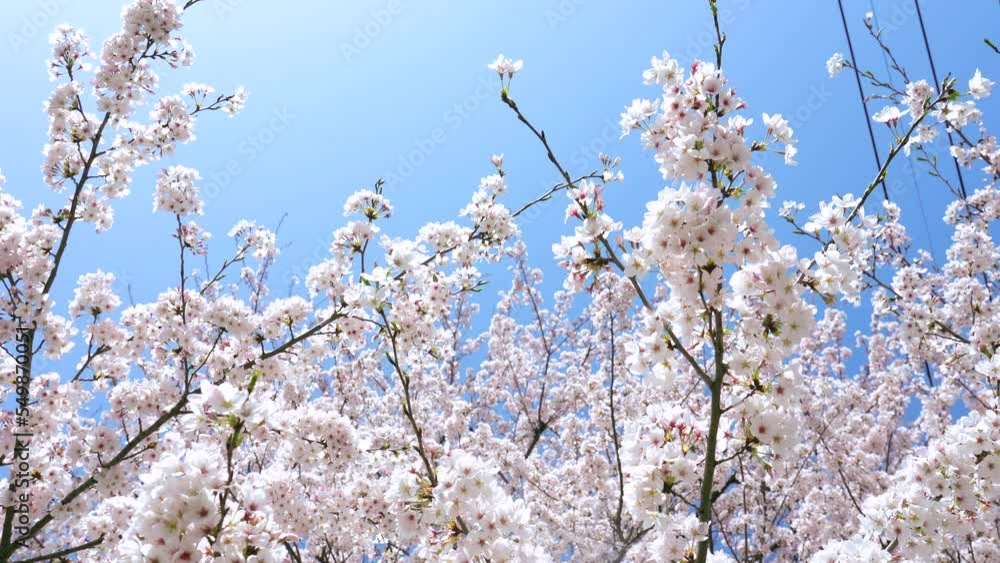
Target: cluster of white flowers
x,y
236,102
677,538
770,423
443,236
835,64
285,314
125,74
261,239
493,221
69,51
660,455
849,551
690,409
170,123
328,277
944,496
473,518
773,319
369,204
177,509
94,295
324,437
506,66
176,192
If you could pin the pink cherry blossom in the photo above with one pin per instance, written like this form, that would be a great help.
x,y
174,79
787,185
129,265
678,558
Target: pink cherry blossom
x,y
697,390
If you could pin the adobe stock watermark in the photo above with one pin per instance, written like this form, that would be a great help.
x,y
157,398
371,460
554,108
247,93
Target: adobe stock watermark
x,y
248,151
225,7
20,464
697,45
585,157
365,34
562,12
903,177
897,19
704,41
453,117
296,275
818,96
39,21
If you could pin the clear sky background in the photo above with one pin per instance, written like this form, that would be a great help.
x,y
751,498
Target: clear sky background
x,y
342,93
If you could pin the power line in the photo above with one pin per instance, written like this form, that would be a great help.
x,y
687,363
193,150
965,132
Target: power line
x,y
930,58
861,93
913,174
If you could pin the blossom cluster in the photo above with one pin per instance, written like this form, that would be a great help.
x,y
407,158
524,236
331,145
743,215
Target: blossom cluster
x,y
691,393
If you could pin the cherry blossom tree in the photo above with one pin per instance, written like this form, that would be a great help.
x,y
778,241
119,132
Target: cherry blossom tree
x,y
689,395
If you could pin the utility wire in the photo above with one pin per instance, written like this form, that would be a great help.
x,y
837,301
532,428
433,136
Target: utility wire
x,y
930,58
913,173
861,93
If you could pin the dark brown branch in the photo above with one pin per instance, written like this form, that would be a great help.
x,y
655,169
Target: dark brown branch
x,y
63,553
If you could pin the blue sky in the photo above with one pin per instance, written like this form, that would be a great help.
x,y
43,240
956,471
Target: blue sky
x,y
343,93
